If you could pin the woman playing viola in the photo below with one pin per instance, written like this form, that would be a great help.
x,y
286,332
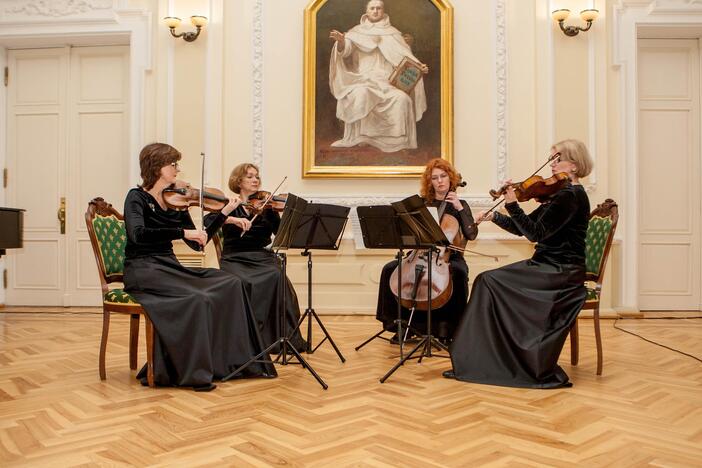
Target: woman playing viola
x,y
203,321
244,254
519,315
438,184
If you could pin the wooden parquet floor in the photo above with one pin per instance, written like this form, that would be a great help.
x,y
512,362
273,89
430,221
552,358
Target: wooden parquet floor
x,y
646,410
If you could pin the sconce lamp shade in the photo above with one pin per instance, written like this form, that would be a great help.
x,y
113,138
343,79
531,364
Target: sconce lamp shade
x,y
172,21
198,21
561,15
589,15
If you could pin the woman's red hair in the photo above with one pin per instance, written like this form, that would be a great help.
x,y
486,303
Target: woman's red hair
x,y
426,189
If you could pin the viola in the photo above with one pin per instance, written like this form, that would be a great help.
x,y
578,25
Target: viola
x,y
181,196
262,200
535,187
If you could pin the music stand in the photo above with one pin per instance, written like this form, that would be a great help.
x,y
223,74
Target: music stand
x,y
405,224
292,214
320,227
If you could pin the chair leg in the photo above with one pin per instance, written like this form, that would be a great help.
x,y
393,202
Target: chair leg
x,y
133,340
598,337
149,352
103,343
574,344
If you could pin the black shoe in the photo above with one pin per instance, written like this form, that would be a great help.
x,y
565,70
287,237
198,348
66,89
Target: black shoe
x,y
411,338
449,374
205,388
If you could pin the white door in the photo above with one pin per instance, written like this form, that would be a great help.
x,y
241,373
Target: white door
x,y
67,143
669,175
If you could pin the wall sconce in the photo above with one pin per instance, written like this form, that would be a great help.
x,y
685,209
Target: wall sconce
x,y
198,21
588,16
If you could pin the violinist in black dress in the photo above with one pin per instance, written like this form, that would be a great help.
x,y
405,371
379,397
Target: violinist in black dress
x,y
244,254
438,184
519,315
203,321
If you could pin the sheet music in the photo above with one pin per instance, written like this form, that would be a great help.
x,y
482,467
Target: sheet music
x,y
356,229
434,211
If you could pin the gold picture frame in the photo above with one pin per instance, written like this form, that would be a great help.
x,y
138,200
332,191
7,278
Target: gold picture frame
x,y
424,24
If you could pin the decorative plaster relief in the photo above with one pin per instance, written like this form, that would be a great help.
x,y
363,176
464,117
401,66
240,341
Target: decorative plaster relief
x,y
56,8
501,92
257,87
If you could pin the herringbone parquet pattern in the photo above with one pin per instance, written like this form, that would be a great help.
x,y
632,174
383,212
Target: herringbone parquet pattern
x,y
54,411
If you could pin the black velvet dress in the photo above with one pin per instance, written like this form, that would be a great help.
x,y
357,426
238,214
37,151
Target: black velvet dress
x,y
519,315
203,321
257,267
445,319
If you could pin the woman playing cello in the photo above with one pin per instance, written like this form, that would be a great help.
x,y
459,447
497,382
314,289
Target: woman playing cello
x,y
519,315
247,231
203,321
438,185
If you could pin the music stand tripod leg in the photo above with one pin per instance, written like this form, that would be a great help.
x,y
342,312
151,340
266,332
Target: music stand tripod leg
x,y
402,361
282,342
310,313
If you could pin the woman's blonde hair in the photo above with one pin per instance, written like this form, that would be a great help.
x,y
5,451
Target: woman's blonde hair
x,y
576,152
238,173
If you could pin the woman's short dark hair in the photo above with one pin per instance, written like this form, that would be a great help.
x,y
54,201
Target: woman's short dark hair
x,y
152,158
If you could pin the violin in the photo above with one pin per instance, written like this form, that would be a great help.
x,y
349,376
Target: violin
x,y
263,200
535,187
181,196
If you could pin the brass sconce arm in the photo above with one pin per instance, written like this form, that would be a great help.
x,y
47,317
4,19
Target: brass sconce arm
x,y
588,16
173,22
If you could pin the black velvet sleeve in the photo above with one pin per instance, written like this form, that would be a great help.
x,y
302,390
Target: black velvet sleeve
x,y
547,219
134,206
213,221
468,226
273,220
506,223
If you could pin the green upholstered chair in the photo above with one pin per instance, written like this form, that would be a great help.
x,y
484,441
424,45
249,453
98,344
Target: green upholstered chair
x,y
108,238
600,234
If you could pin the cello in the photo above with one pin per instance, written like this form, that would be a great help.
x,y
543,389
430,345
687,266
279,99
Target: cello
x,y
414,281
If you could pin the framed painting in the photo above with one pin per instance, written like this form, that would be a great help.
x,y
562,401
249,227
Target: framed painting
x,y
378,85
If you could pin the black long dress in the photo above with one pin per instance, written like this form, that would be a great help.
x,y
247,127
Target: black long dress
x,y
444,319
203,321
519,315
247,258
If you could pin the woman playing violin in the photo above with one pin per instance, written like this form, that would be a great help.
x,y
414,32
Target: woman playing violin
x,y
203,321
438,184
519,315
247,231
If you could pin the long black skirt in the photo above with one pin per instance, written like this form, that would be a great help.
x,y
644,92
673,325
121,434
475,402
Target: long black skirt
x,y
516,323
444,320
260,276
203,322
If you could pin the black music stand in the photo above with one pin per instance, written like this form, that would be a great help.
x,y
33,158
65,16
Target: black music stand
x,y
320,227
290,220
405,224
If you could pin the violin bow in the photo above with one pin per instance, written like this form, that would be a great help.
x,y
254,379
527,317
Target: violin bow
x,y
265,201
551,158
202,192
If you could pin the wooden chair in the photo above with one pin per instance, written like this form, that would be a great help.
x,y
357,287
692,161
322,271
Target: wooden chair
x,y
600,233
108,237
218,242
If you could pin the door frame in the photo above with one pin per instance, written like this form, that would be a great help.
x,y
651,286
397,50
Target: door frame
x,y
629,23
28,28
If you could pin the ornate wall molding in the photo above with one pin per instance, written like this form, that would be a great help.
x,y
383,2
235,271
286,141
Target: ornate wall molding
x,y
501,91
17,9
257,83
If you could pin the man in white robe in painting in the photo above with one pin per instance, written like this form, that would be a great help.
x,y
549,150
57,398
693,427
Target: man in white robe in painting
x,y
374,112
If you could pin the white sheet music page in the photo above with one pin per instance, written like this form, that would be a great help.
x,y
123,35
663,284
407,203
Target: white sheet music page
x,y
434,213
